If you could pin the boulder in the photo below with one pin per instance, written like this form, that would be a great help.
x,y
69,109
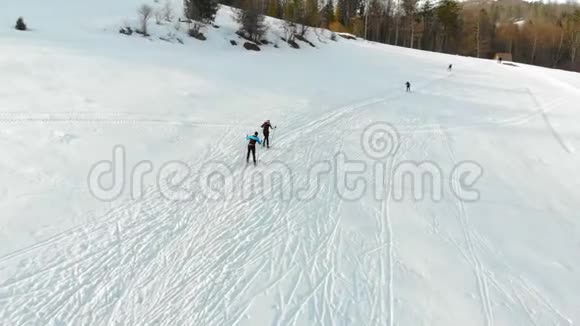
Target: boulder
x,y
251,46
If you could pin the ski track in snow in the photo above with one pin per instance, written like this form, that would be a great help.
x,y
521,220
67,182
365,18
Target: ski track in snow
x,y
153,261
482,283
386,229
89,273
544,114
108,261
117,118
514,289
209,262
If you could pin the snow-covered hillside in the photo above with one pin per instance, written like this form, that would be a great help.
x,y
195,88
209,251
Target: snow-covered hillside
x,y
494,241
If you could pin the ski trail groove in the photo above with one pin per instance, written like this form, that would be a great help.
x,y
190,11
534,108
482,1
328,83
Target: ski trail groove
x,y
565,145
483,287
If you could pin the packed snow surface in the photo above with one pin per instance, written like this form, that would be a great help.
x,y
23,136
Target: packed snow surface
x,y
499,246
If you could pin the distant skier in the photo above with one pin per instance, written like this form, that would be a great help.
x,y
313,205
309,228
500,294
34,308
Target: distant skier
x,y
499,60
408,86
450,67
252,146
266,131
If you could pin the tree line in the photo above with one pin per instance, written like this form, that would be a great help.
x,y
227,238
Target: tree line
x,y
545,34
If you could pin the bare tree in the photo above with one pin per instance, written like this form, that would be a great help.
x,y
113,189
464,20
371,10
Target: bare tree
x,y
397,21
177,26
300,16
145,12
542,33
560,44
167,11
158,17
203,11
410,9
290,30
251,20
194,28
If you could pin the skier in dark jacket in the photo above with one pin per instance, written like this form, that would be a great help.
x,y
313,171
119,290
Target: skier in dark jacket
x,y
266,131
450,67
252,146
408,86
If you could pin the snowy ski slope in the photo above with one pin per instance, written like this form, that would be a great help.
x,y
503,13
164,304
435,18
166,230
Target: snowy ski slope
x,y
73,89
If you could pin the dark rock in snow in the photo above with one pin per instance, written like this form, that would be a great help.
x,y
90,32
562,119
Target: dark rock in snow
x,y
251,46
197,34
20,25
138,31
126,30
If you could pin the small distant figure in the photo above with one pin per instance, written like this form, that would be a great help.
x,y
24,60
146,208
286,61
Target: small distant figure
x,y
450,67
408,86
252,146
499,60
266,126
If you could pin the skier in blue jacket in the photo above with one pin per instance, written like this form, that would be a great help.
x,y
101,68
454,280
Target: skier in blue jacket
x,y
252,146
